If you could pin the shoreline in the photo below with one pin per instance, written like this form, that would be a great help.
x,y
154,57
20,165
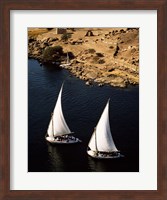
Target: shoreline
x,y
103,58
91,83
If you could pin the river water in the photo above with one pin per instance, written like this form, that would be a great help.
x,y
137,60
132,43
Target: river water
x,y
82,108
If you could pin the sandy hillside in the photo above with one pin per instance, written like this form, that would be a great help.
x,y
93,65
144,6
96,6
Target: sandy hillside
x,y
107,56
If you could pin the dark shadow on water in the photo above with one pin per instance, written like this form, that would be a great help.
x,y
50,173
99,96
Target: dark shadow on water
x,y
52,67
65,158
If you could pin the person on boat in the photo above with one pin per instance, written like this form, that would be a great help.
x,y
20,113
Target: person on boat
x,y
73,138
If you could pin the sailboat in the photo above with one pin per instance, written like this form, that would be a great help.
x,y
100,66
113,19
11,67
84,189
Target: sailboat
x,y
58,131
67,62
101,144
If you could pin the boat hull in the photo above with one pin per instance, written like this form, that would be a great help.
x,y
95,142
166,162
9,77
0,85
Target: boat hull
x,y
64,141
65,65
103,156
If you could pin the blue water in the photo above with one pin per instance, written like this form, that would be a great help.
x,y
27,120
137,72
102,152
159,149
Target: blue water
x,y
82,108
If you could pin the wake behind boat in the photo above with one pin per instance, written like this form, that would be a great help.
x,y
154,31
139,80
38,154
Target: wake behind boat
x,y
58,131
101,144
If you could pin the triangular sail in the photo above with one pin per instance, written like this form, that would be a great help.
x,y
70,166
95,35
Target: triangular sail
x,y
68,60
57,125
101,139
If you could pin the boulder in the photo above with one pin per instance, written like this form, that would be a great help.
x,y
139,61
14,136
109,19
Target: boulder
x,y
91,75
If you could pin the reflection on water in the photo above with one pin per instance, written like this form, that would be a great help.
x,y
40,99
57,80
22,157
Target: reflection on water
x,y
97,165
56,158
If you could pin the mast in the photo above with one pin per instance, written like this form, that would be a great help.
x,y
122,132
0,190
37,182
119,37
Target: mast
x,y
58,125
103,134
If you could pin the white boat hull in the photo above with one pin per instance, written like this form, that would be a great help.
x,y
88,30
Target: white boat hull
x,y
65,65
64,141
103,156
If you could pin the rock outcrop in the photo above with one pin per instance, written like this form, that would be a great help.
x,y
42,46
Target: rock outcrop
x,y
109,56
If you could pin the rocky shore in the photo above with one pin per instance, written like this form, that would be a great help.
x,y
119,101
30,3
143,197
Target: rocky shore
x,y
105,56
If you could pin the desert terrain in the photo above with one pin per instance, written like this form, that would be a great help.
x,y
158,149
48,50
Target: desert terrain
x,y
101,55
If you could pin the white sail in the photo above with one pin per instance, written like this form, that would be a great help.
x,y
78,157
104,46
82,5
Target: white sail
x,y
68,60
67,63
57,125
101,139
